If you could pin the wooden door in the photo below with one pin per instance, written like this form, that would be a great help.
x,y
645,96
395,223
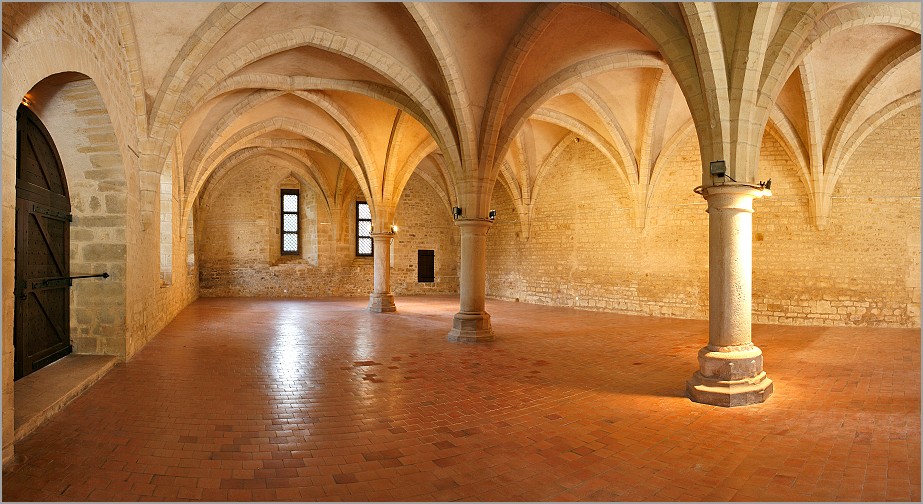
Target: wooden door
x,y
41,320
426,265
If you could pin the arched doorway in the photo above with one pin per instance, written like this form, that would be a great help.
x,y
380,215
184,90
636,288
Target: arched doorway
x,y
41,320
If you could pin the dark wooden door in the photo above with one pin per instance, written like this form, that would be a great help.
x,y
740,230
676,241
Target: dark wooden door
x,y
41,321
426,265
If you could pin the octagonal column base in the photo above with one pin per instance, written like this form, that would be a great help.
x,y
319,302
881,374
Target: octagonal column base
x,y
382,303
729,393
730,376
471,328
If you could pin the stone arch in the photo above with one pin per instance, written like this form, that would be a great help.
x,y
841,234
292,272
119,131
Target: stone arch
x,y
562,80
420,153
867,128
846,120
208,33
545,167
357,141
320,38
850,16
621,161
240,139
451,75
25,64
93,164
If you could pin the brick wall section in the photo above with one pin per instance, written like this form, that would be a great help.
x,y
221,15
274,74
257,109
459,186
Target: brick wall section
x,y
240,256
863,269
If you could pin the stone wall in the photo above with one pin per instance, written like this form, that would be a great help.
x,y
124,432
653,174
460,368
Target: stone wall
x,y
862,269
96,182
101,143
585,251
424,222
240,256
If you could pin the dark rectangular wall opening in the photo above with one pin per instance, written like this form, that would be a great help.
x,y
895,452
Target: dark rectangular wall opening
x,y
426,265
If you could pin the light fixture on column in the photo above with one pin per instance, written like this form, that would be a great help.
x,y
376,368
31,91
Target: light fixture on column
x,y
393,228
492,215
717,168
456,213
26,101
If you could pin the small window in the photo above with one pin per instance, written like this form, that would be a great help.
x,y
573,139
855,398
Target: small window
x,y
290,218
363,230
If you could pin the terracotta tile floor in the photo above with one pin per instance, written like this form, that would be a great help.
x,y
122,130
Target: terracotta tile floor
x,y
243,399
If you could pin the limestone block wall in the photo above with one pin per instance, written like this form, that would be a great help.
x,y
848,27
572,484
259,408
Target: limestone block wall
x,y
78,122
424,222
584,250
99,146
862,269
239,241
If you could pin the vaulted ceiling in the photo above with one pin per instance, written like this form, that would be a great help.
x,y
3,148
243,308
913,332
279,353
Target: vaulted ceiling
x,y
477,91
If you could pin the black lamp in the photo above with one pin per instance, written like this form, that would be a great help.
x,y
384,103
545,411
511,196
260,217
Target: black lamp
x,y
456,213
492,215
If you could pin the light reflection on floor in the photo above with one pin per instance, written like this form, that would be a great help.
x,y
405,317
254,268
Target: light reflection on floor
x,y
321,400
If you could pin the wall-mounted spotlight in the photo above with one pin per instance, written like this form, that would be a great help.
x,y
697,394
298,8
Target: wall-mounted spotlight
x,y
492,214
766,185
393,228
456,213
26,101
717,168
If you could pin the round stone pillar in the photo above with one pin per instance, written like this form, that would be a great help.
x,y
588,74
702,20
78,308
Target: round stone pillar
x,y
472,324
730,366
382,299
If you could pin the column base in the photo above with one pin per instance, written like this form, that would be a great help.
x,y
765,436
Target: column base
x,y
730,376
471,328
382,303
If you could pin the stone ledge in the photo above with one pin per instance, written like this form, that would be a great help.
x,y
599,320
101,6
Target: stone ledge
x,y
40,395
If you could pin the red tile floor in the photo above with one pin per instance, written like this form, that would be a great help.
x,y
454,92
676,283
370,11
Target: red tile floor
x,y
241,399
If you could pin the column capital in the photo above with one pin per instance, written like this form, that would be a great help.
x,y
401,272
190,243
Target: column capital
x,y
382,236
737,189
732,197
473,223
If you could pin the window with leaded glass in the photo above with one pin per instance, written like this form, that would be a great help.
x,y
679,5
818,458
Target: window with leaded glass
x,y
290,217
363,229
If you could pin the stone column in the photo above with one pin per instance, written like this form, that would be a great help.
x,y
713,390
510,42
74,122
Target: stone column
x,y
382,299
730,366
472,324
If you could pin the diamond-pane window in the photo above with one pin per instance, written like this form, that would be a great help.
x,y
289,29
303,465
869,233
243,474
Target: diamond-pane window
x,y
365,246
290,202
363,229
290,216
290,222
289,243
